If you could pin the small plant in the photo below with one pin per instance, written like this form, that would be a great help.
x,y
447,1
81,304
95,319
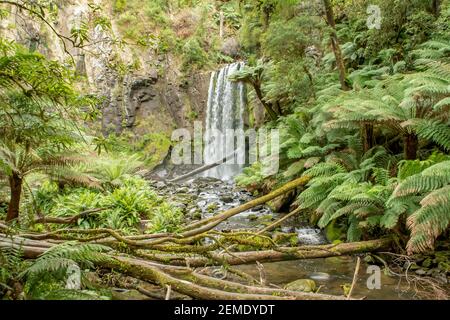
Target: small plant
x,y
166,218
120,5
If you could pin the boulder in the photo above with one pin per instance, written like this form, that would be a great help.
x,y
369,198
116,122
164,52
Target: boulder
x,y
303,285
227,198
231,47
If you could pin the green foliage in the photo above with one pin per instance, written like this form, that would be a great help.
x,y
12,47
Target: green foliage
x,y
232,17
251,176
38,119
11,265
48,275
166,218
125,202
120,5
193,54
145,150
167,41
80,34
114,172
427,193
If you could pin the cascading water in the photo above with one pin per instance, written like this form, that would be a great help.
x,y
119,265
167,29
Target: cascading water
x,y
225,111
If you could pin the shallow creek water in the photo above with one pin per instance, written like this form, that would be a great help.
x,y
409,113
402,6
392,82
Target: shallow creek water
x,y
204,197
330,274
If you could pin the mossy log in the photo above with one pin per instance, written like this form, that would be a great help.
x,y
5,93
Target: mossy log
x,y
190,231
141,270
199,286
281,254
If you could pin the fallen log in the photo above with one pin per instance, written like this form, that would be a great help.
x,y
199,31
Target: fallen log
x,y
203,168
69,220
282,254
141,270
28,248
208,287
279,221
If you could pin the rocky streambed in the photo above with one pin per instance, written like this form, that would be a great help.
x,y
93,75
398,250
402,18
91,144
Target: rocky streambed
x,y
201,198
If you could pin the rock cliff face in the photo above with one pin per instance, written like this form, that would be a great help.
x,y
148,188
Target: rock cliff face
x,y
141,88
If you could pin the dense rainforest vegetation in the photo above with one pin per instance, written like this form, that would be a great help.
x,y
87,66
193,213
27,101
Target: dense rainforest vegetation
x,y
361,99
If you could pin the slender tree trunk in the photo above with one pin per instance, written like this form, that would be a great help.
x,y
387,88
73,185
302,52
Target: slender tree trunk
x,y
266,18
411,145
367,136
222,22
273,115
311,80
15,184
436,7
335,44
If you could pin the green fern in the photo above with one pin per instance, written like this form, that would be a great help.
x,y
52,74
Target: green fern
x,y
427,223
61,256
431,216
46,277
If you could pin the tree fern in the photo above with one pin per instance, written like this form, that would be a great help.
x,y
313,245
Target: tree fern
x,y
431,216
427,223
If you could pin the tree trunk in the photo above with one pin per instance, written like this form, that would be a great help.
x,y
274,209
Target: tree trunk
x,y
203,168
281,254
266,12
411,145
335,44
15,184
273,115
311,81
367,136
222,22
436,7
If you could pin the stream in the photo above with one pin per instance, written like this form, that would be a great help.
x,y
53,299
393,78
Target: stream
x,y
203,197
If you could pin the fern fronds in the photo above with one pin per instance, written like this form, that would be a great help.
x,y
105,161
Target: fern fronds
x,y
419,184
427,223
435,131
325,169
62,256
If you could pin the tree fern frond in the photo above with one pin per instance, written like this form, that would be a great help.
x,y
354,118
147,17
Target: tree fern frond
x,y
442,105
419,184
324,169
66,254
427,223
435,131
354,231
441,169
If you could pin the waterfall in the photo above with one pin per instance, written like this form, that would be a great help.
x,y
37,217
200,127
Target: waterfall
x,y
225,112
